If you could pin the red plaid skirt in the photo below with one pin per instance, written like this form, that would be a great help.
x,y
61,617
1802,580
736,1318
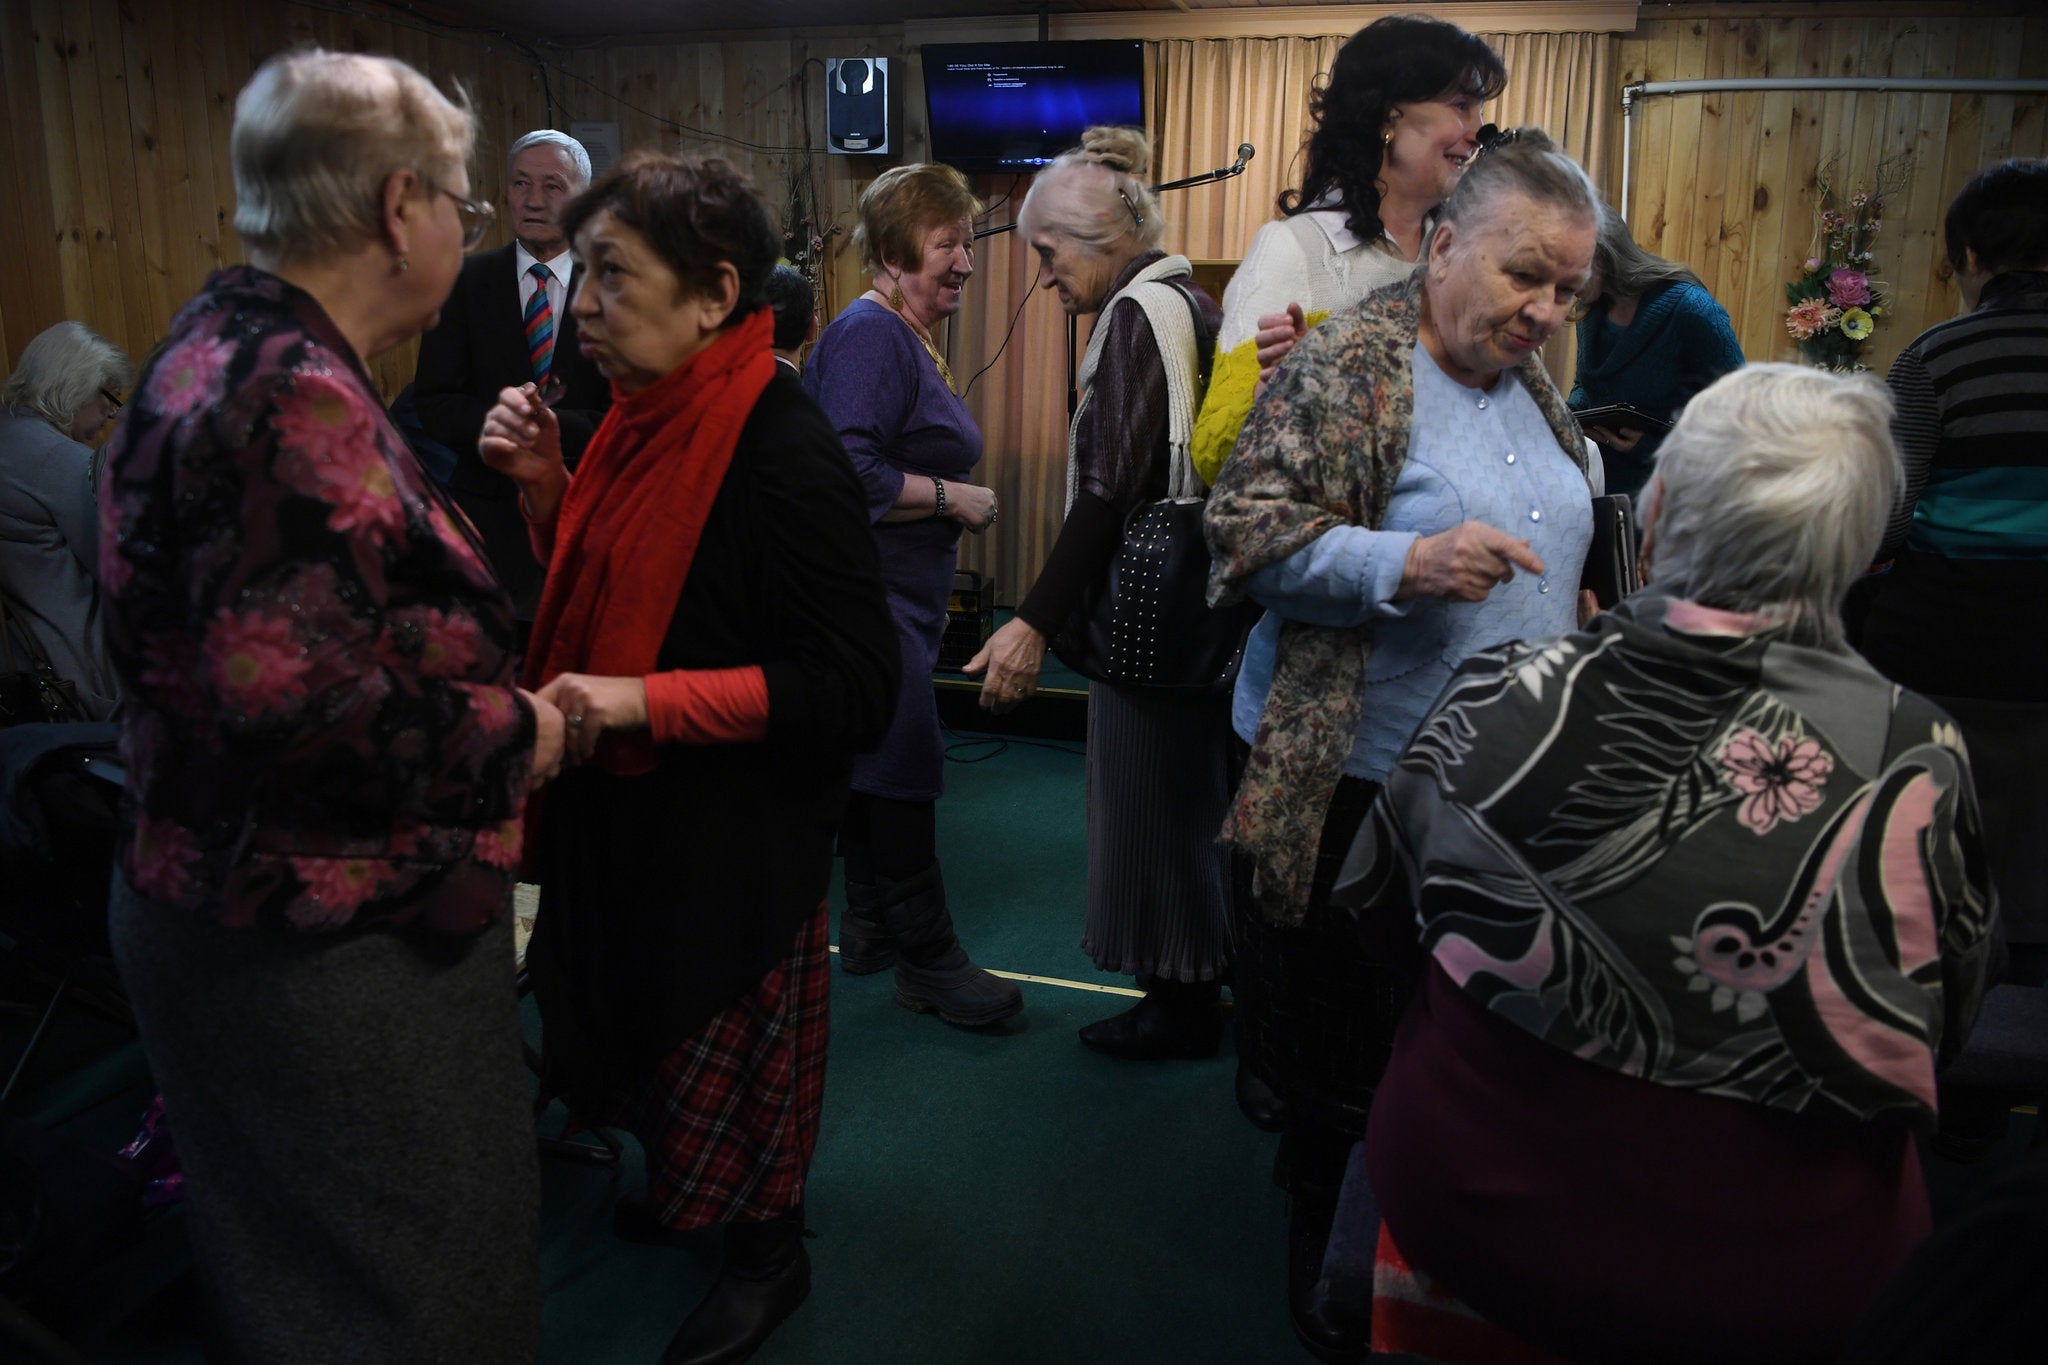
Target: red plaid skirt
x,y
730,1119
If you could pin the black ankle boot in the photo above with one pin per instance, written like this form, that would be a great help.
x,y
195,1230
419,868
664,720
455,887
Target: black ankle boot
x,y
1325,1320
865,943
1258,1101
933,974
766,1275
1175,1019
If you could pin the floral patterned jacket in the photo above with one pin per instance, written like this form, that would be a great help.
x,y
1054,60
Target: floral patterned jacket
x,y
322,729
1677,846
1323,448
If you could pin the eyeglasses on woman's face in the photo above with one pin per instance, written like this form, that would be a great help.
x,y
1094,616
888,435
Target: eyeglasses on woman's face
x,y
476,216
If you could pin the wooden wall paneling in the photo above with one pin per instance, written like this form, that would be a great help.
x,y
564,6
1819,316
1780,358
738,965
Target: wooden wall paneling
x,y
146,140
114,148
65,184
1714,150
2030,126
102,308
1774,208
1910,242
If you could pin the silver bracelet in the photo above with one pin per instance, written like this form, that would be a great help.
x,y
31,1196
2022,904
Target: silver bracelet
x,y
938,496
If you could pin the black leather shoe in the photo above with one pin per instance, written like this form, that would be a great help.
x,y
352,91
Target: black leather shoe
x,y
1329,1323
766,1276
1173,1020
1256,1100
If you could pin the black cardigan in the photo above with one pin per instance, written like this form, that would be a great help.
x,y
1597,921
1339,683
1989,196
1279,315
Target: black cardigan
x,y
667,895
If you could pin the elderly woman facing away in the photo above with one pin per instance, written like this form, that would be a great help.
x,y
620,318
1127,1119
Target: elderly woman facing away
x,y
327,760
1702,902
1408,491
1158,762
878,375
57,401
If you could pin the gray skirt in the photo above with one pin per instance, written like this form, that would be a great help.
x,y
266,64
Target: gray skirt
x,y
352,1115
1159,783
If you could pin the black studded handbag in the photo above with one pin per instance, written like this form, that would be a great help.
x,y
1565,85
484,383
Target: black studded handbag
x,y
1148,623
30,690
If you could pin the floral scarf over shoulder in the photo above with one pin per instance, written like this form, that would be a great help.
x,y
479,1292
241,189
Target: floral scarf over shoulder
x,y
1681,848
1323,448
322,729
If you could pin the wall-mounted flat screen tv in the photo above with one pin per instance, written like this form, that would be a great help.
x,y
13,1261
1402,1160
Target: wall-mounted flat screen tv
x,y
1016,106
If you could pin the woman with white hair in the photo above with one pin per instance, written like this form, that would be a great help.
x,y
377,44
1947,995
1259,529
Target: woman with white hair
x,y
57,401
1702,905
1158,761
327,760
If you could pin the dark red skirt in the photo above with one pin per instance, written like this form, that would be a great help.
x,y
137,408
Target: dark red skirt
x,y
729,1119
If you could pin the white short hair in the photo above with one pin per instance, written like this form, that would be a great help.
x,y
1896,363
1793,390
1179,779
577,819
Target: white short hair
x,y
1095,194
60,371
316,136
1775,487
548,137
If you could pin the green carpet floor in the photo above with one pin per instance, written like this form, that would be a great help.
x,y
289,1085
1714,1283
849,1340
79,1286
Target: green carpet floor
x,y
978,1197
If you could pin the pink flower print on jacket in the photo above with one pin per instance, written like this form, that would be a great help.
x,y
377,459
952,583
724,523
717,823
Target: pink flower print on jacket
x,y
328,448
500,847
335,888
449,645
163,859
256,665
1781,783
190,377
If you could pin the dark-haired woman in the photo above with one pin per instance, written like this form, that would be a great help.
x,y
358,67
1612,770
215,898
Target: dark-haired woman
x,y
1396,122
1652,337
714,632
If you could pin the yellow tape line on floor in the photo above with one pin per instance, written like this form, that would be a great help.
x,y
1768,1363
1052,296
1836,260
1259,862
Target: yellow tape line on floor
x,y
1056,981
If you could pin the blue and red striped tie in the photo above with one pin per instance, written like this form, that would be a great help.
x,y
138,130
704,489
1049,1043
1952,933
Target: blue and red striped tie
x,y
540,323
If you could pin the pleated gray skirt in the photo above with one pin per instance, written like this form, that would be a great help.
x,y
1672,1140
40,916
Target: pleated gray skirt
x,y
351,1113
1160,779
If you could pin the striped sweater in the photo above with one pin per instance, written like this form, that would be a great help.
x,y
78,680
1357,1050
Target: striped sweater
x,y
1965,610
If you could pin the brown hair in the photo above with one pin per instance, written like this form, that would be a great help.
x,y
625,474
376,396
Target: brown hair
x,y
694,212
902,206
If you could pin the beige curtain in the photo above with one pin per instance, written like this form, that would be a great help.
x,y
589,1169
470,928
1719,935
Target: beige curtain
x,y
1207,96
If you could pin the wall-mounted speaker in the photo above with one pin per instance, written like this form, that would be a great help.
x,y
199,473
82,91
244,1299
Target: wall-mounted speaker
x,y
856,104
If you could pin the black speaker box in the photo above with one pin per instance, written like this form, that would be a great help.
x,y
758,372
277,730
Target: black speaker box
x,y
856,104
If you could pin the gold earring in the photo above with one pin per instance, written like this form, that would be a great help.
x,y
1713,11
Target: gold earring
x,y
896,295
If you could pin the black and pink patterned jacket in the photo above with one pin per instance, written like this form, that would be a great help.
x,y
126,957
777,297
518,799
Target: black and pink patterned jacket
x,y
322,729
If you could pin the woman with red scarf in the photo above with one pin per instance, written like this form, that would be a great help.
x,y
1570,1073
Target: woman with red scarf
x,y
713,629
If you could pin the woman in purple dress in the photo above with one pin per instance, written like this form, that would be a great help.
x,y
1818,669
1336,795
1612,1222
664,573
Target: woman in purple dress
x,y
887,389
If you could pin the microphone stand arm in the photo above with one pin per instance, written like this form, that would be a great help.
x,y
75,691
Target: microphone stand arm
x,y
1205,178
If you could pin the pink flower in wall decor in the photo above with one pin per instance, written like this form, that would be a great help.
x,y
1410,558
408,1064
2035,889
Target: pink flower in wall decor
x,y
1848,288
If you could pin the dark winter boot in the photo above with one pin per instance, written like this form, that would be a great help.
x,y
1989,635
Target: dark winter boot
x,y
865,943
766,1275
933,974
1175,1019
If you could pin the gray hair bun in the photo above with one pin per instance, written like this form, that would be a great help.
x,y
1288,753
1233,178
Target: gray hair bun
x,y
1120,149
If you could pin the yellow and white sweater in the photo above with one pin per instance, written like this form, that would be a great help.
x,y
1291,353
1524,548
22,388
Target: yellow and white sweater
x,y
1311,259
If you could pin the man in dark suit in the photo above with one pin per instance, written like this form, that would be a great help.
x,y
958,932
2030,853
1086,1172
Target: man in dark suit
x,y
508,323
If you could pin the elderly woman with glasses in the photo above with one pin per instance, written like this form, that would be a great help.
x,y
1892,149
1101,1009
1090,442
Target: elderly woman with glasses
x,y
58,400
1702,902
327,760
1409,490
1158,760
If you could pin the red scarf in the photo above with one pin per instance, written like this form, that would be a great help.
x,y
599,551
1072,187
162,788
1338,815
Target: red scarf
x,y
630,522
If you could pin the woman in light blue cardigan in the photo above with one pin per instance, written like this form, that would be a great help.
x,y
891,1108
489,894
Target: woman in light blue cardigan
x,y
1651,337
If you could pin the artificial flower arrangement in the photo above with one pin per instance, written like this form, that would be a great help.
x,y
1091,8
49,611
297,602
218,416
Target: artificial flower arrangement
x,y
1835,305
